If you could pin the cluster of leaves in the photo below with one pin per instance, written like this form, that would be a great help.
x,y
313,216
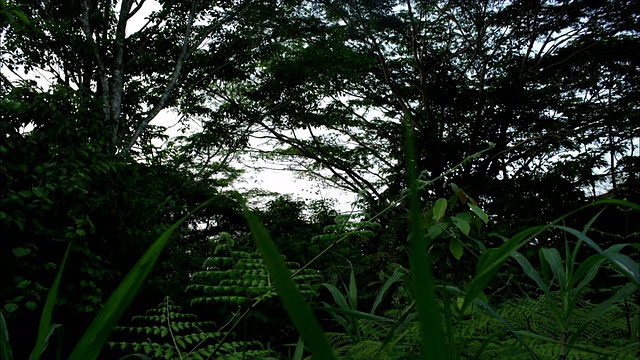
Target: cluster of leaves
x,y
165,332
233,279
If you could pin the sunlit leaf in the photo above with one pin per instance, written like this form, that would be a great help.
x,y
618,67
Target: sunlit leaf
x,y
481,214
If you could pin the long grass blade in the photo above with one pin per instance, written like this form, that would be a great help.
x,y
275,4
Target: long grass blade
x,y
557,266
432,335
94,338
397,276
337,296
5,344
44,330
293,302
356,314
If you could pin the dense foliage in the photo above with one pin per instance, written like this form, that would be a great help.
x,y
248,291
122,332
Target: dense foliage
x,y
517,112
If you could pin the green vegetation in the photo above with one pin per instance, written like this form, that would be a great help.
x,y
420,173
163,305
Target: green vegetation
x,y
492,147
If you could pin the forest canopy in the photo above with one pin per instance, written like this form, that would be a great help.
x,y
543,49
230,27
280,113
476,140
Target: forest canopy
x,y
492,146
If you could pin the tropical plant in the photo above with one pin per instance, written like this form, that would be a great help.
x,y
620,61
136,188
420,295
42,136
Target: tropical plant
x,y
165,332
367,335
97,333
571,278
233,279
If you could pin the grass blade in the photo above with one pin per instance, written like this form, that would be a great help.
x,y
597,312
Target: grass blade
x,y
557,266
94,338
337,295
397,276
356,314
47,312
432,336
5,344
293,302
353,290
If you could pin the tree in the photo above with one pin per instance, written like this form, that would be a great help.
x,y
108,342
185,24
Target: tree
x,y
334,94
79,163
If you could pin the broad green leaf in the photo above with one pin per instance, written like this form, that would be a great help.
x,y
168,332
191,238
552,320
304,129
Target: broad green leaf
x,y
454,187
436,230
293,302
456,248
476,210
439,209
94,338
21,251
461,224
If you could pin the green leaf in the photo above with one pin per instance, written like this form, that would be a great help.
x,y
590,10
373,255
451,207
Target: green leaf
x,y
439,208
46,329
20,15
557,266
476,210
353,291
436,230
356,314
397,276
19,252
622,263
299,349
532,273
94,338
293,302
456,248
337,296
461,224
432,336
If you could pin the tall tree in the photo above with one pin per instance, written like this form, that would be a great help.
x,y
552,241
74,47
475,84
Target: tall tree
x,y
78,160
527,77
